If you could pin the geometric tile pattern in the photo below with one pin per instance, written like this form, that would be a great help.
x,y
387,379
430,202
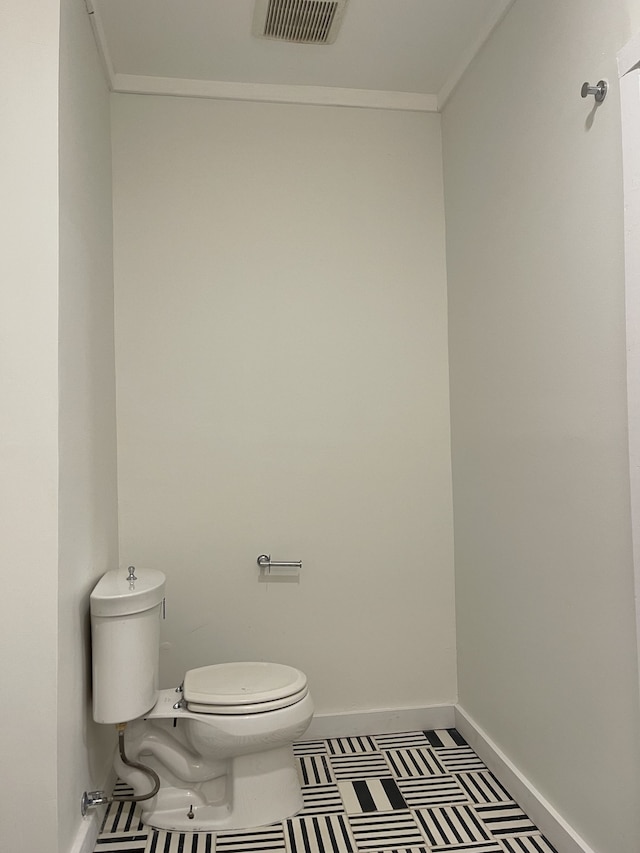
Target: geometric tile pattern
x,y
422,791
163,841
505,819
414,762
527,844
321,834
474,847
445,738
384,831
448,825
321,799
248,840
483,787
366,765
122,842
348,745
460,759
122,817
314,770
371,795
402,740
407,792
310,747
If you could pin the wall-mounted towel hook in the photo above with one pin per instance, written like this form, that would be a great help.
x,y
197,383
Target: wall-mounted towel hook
x,y
599,91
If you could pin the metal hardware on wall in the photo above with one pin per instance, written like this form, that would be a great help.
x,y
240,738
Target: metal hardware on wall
x,y
265,562
599,91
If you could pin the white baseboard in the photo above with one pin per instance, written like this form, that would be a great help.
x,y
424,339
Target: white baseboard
x,y
384,721
563,837
87,834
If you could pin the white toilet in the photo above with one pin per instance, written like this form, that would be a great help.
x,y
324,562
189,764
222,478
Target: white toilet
x,y
221,744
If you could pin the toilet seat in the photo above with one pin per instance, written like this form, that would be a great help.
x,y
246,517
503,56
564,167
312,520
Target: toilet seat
x,y
250,687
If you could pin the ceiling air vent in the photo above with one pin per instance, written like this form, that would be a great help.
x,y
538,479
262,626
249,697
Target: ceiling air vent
x,y
301,21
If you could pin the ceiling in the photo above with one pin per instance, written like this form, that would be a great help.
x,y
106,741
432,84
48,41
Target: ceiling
x,y
397,54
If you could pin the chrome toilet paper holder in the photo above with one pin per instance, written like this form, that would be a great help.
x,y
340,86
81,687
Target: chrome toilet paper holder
x,y
265,562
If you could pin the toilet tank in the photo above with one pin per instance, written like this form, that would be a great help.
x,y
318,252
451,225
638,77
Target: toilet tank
x,y
125,639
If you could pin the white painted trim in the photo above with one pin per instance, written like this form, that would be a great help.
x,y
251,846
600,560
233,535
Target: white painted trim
x,y
563,837
271,93
628,61
385,721
629,56
262,92
101,42
87,834
281,94
470,53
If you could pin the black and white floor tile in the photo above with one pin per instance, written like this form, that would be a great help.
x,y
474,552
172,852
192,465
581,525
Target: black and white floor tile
x,y
314,770
321,799
266,838
411,792
414,762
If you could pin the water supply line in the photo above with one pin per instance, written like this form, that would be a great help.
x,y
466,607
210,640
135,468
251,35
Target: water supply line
x,y
91,799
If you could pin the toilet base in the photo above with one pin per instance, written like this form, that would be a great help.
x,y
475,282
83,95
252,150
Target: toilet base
x,y
216,772
258,789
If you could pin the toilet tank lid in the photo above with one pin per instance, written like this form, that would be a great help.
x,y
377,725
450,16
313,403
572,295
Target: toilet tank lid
x,y
243,683
115,595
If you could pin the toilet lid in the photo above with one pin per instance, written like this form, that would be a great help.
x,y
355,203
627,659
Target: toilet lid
x,y
227,685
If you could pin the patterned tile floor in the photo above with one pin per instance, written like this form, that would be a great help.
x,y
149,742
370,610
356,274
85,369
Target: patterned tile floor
x,y
414,792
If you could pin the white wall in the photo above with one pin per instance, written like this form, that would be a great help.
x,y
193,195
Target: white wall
x,y
282,387
88,536
633,9
57,419
28,418
543,552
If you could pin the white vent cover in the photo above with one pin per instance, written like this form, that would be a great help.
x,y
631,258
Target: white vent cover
x,y
302,21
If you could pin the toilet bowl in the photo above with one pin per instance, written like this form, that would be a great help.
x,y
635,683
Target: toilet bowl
x,y
221,744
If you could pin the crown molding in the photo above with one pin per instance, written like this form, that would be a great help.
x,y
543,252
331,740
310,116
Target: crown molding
x,y
629,56
471,52
273,93
101,41
289,94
